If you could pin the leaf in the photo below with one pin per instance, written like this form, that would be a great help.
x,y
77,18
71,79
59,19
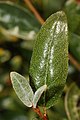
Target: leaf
x,y
74,41
38,94
17,21
22,88
57,112
72,10
72,100
49,62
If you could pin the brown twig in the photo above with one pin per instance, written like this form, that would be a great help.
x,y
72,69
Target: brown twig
x,y
32,8
45,113
42,116
74,62
37,110
78,1
40,19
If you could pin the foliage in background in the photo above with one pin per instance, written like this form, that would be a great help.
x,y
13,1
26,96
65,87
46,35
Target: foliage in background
x,y
18,28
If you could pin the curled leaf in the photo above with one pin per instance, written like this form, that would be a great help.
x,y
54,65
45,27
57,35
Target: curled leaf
x,y
72,100
38,94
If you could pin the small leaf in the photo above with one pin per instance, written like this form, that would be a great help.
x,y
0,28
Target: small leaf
x,y
38,94
49,63
72,100
22,88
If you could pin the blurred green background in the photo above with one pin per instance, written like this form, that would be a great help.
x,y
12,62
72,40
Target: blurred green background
x,y
18,29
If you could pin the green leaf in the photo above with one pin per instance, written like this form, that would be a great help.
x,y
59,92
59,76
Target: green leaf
x,y
72,100
22,88
38,94
17,21
49,63
72,10
74,41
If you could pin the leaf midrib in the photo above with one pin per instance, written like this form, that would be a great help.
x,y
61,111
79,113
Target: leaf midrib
x,y
23,89
48,57
48,54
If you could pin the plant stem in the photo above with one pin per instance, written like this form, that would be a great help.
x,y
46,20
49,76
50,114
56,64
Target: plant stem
x,y
74,62
32,8
42,116
45,114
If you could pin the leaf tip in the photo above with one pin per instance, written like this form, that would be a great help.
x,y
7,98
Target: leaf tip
x,y
12,74
38,94
45,86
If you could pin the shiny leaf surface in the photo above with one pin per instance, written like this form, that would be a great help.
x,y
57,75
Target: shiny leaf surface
x,y
17,21
49,61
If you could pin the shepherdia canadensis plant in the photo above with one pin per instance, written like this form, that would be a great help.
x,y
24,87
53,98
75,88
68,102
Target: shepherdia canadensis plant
x,y
48,67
